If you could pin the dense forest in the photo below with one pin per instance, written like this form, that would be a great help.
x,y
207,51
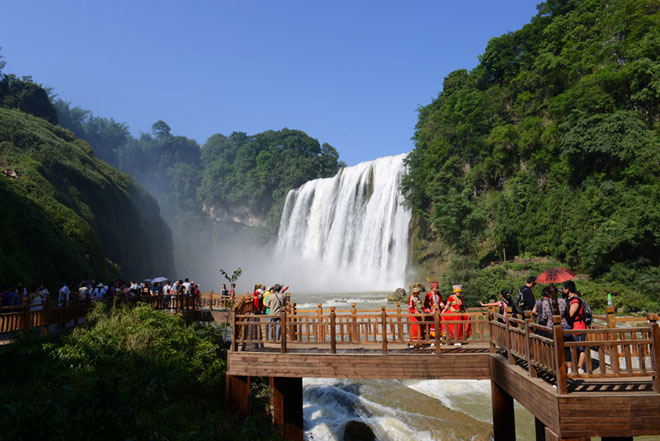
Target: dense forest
x,y
239,177
549,147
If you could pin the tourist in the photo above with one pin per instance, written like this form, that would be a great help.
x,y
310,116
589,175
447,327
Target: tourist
x,y
416,309
576,321
459,327
266,309
433,298
276,302
256,299
83,291
543,309
43,291
232,292
524,300
224,291
64,294
186,286
35,301
503,303
567,287
167,297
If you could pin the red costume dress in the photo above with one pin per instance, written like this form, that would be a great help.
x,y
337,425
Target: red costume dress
x,y
456,330
429,302
415,307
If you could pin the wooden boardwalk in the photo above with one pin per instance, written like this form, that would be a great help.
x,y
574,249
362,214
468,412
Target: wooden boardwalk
x,y
618,397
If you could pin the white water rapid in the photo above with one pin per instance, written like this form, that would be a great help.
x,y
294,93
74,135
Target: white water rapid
x,y
349,232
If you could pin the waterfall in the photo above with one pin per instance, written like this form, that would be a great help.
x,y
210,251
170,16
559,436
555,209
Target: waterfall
x,y
350,231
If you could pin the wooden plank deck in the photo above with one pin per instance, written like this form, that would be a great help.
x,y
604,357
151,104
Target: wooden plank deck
x,y
359,362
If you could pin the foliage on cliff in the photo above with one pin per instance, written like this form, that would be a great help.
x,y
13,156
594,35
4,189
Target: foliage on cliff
x,y
551,145
127,374
248,175
256,172
69,215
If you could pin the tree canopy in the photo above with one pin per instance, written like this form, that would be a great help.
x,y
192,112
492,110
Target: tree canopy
x,y
551,145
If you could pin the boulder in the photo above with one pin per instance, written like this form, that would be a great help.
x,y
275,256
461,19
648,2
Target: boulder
x,y
397,296
358,431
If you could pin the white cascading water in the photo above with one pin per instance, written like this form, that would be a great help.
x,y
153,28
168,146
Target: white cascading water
x,y
350,231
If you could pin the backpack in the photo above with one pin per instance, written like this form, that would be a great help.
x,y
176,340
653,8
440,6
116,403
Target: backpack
x,y
584,311
519,302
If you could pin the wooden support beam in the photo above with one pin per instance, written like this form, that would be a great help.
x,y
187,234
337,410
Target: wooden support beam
x,y
540,429
287,406
504,424
237,394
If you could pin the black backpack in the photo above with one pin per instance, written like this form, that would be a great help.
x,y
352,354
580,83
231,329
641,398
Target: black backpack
x,y
519,302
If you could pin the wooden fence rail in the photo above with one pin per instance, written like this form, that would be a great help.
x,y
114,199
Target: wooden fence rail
x,y
71,312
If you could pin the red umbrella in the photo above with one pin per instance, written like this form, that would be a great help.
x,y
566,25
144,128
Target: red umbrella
x,y
555,275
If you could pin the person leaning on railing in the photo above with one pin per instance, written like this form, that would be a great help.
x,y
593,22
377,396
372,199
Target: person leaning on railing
x,y
576,320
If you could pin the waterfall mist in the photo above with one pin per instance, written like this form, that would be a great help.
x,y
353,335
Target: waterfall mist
x,y
348,232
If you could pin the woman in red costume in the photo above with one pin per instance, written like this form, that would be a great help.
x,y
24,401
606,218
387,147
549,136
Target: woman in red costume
x,y
415,307
433,298
454,310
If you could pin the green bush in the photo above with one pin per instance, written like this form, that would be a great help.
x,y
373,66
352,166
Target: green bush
x,y
127,374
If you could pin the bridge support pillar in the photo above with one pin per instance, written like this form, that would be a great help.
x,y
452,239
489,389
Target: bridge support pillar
x,y
237,394
287,406
504,424
540,429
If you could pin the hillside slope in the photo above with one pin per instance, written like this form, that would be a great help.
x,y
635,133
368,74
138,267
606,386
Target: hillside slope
x,y
550,146
70,215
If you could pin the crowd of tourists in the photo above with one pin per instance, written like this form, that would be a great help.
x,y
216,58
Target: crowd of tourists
x,y
565,302
98,291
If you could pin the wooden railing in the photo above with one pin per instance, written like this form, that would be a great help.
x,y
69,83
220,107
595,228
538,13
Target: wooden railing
x,y
329,328
27,315
609,352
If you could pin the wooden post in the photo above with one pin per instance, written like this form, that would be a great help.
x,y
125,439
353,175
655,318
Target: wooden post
x,y
436,325
234,332
540,429
25,313
287,404
383,321
354,331
611,323
504,424
655,353
399,320
237,394
333,331
319,326
560,360
46,315
294,319
509,354
494,330
528,346
282,330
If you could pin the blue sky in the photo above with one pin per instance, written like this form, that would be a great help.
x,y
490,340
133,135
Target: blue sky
x,y
350,73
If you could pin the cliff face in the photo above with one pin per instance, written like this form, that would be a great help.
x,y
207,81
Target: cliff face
x,y
241,215
69,215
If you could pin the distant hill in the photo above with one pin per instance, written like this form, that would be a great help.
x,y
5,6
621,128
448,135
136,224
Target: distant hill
x,y
549,147
69,215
